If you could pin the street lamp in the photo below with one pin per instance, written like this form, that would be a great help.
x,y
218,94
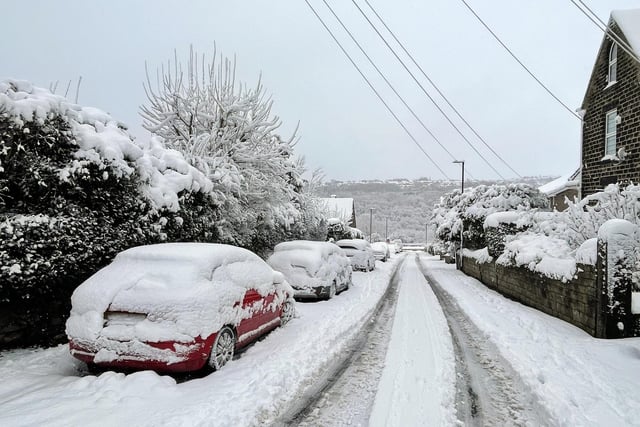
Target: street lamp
x,y
461,223
370,224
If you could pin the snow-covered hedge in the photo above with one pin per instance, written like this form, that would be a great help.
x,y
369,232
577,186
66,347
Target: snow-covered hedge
x,y
473,207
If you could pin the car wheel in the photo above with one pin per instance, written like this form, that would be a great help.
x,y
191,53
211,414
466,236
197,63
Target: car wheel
x,y
288,312
223,348
332,290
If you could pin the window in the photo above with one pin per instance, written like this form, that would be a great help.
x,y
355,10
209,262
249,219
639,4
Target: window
x,y
610,133
613,64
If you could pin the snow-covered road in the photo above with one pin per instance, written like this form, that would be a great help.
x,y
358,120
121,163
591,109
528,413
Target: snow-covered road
x,y
567,376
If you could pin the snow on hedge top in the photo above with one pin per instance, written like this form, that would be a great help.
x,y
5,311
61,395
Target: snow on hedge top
x,y
497,218
104,141
186,289
549,256
629,23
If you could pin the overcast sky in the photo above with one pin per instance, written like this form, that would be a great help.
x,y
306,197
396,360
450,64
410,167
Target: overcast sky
x,y
344,129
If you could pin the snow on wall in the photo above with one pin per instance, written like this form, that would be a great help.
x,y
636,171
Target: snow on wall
x,y
104,141
621,239
587,253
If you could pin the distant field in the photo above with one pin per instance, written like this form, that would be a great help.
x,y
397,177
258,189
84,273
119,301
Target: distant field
x,y
402,207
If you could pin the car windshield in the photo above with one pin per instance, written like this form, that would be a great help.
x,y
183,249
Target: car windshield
x,y
169,273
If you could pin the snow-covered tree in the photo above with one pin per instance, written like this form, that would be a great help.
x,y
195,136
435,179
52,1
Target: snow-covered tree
x,y
227,130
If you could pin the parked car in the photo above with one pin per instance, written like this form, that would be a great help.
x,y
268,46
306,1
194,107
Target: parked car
x,y
176,307
397,244
314,269
359,252
381,251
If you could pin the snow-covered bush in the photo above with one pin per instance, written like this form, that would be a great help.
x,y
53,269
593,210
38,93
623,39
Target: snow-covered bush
x,y
471,209
75,189
582,219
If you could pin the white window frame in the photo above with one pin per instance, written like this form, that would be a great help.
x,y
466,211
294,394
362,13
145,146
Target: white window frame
x,y
608,133
613,64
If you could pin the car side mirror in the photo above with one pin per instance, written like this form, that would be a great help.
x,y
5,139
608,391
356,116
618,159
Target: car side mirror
x,y
278,277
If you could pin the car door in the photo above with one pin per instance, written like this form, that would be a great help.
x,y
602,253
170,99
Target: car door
x,y
253,303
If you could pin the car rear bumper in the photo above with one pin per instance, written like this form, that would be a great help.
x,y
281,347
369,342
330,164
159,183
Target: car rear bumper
x,y
161,356
316,292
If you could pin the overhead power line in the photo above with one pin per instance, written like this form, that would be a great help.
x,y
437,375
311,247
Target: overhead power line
x,y
415,79
438,89
513,55
387,80
374,90
605,28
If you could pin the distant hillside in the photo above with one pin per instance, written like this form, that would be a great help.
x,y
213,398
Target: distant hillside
x,y
402,205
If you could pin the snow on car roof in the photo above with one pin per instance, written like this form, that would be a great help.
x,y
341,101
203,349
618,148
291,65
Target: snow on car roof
x,y
302,253
353,243
205,255
324,247
379,245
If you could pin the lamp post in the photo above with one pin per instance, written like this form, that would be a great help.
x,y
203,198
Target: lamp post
x,y
426,235
370,224
386,229
462,223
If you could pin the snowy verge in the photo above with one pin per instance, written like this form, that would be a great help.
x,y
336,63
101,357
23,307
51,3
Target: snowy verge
x,y
41,387
580,380
418,382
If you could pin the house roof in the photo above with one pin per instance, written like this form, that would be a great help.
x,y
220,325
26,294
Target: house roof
x,y
566,182
629,23
338,207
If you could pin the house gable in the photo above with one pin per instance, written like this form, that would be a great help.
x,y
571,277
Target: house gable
x,y
602,97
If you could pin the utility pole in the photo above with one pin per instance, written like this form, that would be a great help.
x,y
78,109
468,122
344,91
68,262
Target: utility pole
x,y
462,226
386,229
370,224
426,235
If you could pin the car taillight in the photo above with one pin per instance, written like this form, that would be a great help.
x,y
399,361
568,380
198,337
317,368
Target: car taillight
x,y
123,318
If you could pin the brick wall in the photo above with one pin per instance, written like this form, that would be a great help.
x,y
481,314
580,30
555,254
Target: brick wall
x,y
623,96
574,302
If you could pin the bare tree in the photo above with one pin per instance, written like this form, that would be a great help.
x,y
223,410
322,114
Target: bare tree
x,y
227,130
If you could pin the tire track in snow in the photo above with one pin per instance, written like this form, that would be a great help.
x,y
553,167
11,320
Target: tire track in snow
x,y
344,396
489,391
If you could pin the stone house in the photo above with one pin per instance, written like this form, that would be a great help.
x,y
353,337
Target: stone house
x,y
611,108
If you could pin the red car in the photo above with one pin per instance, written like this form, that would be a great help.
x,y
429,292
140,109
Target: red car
x,y
176,307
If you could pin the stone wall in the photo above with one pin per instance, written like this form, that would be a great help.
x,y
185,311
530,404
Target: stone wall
x,y
575,301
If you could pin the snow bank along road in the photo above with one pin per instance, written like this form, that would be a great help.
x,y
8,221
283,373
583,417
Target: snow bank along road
x,y
345,396
578,380
43,387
